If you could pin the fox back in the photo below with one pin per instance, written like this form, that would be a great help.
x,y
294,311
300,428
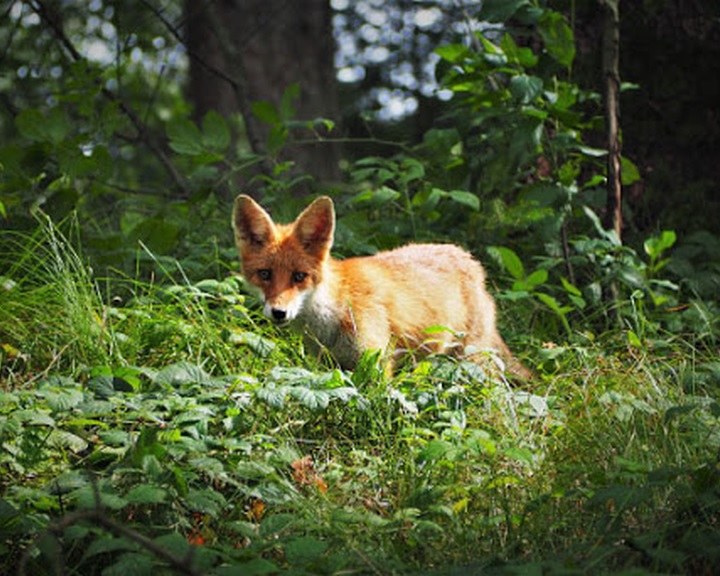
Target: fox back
x,y
420,298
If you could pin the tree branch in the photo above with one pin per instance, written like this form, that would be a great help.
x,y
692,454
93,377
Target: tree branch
x,y
180,565
143,133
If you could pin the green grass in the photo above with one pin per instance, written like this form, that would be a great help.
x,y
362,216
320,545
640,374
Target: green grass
x,y
160,428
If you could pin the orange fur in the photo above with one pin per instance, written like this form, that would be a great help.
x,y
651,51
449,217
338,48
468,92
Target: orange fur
x,y
383,302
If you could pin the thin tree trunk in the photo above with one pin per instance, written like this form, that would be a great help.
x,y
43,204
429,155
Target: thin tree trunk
x,y
611,78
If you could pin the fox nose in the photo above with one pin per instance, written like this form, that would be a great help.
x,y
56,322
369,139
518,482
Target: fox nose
x,y
279,314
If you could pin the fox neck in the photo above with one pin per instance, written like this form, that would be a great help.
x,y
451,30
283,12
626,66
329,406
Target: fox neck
x,y
328,317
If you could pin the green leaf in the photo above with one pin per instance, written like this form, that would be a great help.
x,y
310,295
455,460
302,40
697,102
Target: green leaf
x,y
304,549
654,247
68,440
276,139
312,399
629,173
36,127
262,346
102,386
265,112
104,545
272,395
216,134
526,88
31,124
558,37
570,288
207,501
453,53
553,304
537,278
131,564
287,108
146,494
61,399
57,125
87,499
500,10
185,137
524,57
176,544
435,450
465,198
159,234
508,260
255,567
182,373
609,235
276,523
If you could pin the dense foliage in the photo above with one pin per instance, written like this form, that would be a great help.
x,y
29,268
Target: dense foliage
x,y
151,420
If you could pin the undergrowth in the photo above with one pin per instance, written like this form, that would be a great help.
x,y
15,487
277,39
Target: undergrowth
x,y
170,429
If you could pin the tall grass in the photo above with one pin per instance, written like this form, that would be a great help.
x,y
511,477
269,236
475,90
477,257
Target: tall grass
x,y
51,313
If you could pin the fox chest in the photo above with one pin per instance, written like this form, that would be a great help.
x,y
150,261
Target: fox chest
x,y
335,331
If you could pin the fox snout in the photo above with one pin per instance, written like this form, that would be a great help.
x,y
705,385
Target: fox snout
x,y
283,310
278,314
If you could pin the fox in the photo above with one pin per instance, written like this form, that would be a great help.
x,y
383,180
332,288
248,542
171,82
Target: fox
x,y
419,298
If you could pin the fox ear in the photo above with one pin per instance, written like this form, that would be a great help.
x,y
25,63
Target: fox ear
x,y
253,226
316,225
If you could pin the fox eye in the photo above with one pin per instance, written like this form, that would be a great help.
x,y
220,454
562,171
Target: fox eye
x,y
265,274
298,277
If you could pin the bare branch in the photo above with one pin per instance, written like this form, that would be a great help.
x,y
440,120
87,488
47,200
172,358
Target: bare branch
x,y
97,516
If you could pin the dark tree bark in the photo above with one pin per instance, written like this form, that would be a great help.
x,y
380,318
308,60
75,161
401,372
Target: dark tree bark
x,y
248,50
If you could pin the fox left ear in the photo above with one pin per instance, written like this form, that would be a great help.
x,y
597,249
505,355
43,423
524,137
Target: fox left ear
x,y
316,225
252,225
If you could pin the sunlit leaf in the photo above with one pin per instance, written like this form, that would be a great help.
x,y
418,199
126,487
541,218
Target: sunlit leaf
x,y
509,260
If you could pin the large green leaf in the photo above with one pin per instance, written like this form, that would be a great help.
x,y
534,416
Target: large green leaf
x,y
181,373
146,494
185,137
265,112
526,88
558,37
465,198
509,260
312,399
215,134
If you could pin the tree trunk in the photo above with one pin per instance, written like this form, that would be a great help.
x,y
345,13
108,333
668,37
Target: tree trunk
x,y
611,90
242,51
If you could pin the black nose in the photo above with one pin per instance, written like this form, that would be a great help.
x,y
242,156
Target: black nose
x,y
278,314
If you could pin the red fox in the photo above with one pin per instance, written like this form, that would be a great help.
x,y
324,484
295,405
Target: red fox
x,y
385,302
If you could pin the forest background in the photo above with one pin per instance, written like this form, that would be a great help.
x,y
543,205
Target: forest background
x,y
150,419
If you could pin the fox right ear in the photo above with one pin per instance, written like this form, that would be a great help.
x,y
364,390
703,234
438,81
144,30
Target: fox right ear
x,y
316,225
252,225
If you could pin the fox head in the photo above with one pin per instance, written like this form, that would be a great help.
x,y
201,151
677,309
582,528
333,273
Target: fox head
x,y
285,262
